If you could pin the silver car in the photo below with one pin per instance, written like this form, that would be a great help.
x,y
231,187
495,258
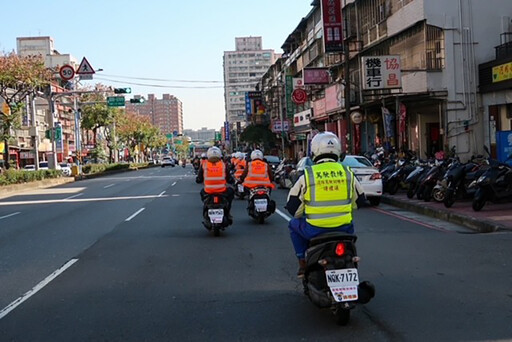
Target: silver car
x,y
369,177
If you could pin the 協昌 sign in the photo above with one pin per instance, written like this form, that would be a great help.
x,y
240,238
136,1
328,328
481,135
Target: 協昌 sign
x,y
381,72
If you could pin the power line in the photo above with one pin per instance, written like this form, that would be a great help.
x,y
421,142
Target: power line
x,y
158,85
161,79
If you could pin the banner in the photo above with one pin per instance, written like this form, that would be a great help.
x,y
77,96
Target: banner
x,y
226,130
333,25
387,120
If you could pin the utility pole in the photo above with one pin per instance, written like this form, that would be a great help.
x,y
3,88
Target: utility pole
x,y
346,58
34,131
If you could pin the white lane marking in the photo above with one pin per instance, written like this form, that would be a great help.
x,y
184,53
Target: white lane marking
x,y
6,216
74,196
5,311
79,200
136,213
175,195
161,194
108,186
283,215
173,184
151,173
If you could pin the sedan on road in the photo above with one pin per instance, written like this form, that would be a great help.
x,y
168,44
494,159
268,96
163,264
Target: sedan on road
x,y
168,161
368,176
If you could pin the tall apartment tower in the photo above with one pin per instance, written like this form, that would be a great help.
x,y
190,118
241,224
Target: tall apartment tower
x,y
166,114
243,68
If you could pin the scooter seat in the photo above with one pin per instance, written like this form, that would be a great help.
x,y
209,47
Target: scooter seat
x,y
331,237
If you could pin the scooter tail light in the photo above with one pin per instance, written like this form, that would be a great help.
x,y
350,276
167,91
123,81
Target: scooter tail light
x,y
376,176
340,249
261,192
215,199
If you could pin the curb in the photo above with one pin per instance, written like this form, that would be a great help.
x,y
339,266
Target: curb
x,y
9,190
446,215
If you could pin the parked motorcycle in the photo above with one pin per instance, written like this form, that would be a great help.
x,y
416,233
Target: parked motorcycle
x,y
215,213
460,180
260,206
331,278
414,177
397,178
282,174
432,177
494,185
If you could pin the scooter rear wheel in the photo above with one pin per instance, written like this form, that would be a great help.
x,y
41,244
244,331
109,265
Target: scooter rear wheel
x,y
341,314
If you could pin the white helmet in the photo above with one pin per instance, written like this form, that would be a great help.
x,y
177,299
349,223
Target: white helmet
x,y
203,155
256,154
325,145
214,152
240,155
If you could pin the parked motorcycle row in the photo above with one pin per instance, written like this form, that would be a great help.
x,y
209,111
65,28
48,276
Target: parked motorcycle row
x,y
447,179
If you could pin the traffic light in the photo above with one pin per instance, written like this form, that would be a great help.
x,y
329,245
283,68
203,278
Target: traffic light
x,y
58,133
139,100
48,134
122,90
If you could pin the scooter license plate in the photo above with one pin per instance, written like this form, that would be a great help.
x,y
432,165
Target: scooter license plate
x,y
216,215
343,284
240,188
260,204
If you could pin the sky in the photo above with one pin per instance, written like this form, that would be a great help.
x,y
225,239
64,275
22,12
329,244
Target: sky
x,y
140,43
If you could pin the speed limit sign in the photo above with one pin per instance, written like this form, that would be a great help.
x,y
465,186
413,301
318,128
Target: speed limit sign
x,y
67,72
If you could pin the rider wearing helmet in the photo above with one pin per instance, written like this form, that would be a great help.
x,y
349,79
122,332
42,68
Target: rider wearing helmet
x,y
240,165
257,173
204,158
215,176
322,199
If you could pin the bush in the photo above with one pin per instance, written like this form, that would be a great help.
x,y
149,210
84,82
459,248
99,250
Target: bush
x,y
11,176
91,169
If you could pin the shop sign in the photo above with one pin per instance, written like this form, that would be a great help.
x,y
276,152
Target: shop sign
x,y
502,72
319,108
381,72
316,76
280,126
334,97
333,25
356,117
302,118
27,155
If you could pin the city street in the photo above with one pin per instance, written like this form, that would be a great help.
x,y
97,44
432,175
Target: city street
x,y
126,258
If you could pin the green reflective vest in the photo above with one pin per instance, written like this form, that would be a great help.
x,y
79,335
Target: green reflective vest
x,y
328,197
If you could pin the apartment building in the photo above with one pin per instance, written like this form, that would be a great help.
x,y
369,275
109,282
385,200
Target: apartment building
x,y
165,113
423,95
243,68
203,134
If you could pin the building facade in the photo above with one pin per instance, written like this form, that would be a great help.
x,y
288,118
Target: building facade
x,y
203,134
243,68
165,113
431,103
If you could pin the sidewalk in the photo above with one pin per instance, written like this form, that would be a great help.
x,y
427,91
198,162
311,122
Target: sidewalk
x,y
492,217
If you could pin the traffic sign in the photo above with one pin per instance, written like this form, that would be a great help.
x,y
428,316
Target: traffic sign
x,y
115,101
85,67
67,72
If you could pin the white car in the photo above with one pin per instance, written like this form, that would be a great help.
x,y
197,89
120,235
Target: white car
x,y
168,161
30,167
369,177
66,169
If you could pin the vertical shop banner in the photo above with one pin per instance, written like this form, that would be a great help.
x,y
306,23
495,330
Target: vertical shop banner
x,y
226,130
381,72
387,119
333,25
290,106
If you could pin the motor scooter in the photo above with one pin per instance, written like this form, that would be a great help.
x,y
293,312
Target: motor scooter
x,y
494,185
331,279
260,206
216,213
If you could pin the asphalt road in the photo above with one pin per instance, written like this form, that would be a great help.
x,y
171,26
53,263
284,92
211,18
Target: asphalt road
x,y
126,258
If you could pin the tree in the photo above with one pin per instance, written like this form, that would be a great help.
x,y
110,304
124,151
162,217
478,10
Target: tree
x,y
138,133
258,135
98,115
19,77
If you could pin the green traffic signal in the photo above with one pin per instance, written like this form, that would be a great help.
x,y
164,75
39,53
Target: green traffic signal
x,y
139,100
122,90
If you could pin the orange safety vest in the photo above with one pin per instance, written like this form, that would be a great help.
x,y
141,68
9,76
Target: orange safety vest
x,y
214,177
203,163
257,175
240,167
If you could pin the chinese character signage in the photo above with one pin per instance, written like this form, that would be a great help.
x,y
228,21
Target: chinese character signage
x,y
316,76
290,106
333,25
381,72
253,104
302,118
226,130
502,72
